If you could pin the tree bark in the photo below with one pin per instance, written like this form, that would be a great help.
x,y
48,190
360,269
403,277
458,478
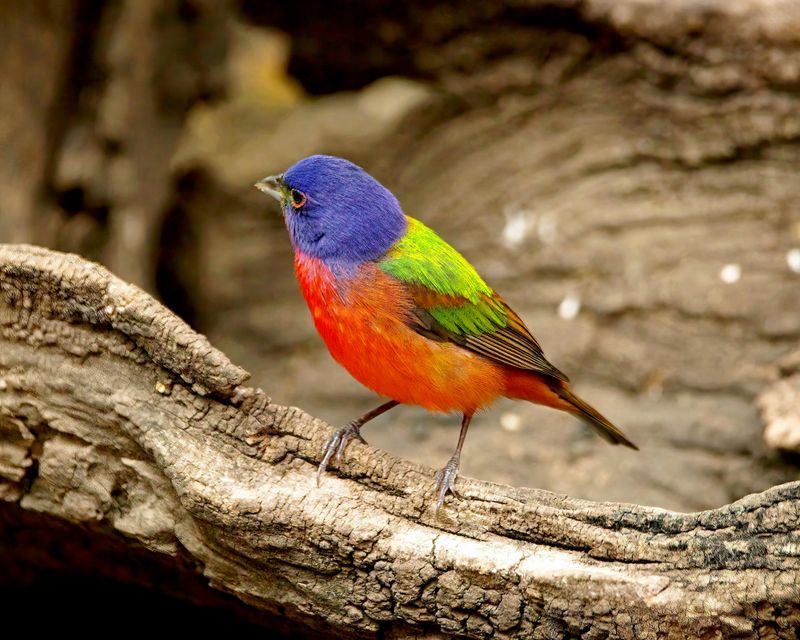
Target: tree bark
x,y
93,102
116,415
780,409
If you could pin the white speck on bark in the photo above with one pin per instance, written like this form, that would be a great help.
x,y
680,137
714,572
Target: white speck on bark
x,y
793,259
518,226
570,306
730,273
510,421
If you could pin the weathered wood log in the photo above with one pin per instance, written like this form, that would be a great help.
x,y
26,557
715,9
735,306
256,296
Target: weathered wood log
x,y
116,415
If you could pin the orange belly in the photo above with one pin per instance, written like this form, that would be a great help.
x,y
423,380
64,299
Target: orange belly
x,y
363,322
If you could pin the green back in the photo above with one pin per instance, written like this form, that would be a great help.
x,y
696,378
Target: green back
x,y
468,305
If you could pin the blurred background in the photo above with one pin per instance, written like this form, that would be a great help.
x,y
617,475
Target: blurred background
x,y
625,174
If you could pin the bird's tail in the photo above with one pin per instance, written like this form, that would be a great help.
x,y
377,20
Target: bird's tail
x,y
591,416
555,393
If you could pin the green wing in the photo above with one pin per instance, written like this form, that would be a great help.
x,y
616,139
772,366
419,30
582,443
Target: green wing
x,y
453,303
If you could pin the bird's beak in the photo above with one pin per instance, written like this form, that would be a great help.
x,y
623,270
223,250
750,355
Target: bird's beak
x,y
273,186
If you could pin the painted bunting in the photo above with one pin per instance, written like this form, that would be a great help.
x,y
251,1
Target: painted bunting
x,y
404,312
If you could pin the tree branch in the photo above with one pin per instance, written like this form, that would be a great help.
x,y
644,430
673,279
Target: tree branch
x,y
115,414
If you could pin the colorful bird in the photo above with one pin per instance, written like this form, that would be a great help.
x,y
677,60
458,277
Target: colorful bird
x,y
404,312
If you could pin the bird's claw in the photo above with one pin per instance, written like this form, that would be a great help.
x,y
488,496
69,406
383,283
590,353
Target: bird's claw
x,y
445,480
336,444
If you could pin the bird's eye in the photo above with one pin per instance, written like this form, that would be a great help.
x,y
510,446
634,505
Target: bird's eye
x,y
298,198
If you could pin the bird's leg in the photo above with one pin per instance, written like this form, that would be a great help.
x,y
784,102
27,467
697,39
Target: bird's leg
x,y
446,478
338,441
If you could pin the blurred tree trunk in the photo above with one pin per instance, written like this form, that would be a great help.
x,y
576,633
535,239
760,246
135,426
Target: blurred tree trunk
x,y
35,46
94,97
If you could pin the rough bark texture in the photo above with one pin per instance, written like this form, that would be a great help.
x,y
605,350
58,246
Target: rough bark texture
x,y
116,415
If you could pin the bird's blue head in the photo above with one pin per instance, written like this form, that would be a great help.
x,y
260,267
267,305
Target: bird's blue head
x,y
336,211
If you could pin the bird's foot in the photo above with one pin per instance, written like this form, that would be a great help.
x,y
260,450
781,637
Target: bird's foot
x,y
445,480
336,445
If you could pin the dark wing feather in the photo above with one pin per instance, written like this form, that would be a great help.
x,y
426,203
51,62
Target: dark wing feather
x,y
511,345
